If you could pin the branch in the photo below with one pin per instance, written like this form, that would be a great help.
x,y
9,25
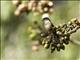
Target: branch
x,y
76,42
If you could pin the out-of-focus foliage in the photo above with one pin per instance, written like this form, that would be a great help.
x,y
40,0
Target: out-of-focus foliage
x,y
16,32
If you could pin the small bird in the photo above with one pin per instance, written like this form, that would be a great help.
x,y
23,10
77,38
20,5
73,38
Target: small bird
x,y
46,22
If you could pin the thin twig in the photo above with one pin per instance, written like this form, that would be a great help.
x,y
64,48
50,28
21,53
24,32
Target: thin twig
x,y
76,42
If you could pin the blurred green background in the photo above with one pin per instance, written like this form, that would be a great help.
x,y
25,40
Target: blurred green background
x,y
15,36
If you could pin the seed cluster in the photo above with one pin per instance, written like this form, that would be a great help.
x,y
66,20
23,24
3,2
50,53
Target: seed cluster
x,y
45,6
53,37
33,5
56,36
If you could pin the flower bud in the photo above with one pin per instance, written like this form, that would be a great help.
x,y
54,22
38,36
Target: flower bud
x,y
22,7
50,3
17,12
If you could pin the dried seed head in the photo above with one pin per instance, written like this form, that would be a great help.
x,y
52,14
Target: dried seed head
x,y
45,6
73,20
56,38
62,38
58,32
46,46
66,42
58,49
30,3
58,45
50,10
45,9
70,23
52,49
43,41
34,9
62,47
42,34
